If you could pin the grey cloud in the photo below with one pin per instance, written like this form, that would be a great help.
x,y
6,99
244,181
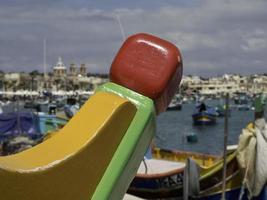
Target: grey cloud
x,y
214,36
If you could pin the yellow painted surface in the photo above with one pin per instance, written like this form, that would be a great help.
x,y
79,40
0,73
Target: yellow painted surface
x,y
204,119
69,165
204,160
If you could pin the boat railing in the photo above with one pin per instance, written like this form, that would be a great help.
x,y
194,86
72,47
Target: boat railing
x,y
205,160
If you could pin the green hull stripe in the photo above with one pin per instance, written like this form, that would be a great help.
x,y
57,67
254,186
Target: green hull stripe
x,y
131,150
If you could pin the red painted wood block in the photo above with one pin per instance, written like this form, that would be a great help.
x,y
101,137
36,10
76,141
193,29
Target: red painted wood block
x,y
150,66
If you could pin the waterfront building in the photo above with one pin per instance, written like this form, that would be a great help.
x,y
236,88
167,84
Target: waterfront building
x,y
216,85
59,69
60,78
258,84
11,81
73,70
2,78
75,77
96,81
83,70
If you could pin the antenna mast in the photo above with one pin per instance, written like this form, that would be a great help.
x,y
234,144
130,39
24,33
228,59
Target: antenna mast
x,y
44,59
121,27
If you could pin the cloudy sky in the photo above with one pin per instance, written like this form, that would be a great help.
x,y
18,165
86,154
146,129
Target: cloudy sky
x,y
214,36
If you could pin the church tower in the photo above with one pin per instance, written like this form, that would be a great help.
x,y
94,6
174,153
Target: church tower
x,y
83,70
73,70
59,69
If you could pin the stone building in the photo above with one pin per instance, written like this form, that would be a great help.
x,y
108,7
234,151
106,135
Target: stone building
x,y
73,70
83,70
59,69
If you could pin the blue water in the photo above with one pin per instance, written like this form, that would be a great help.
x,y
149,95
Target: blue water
x,y
173,126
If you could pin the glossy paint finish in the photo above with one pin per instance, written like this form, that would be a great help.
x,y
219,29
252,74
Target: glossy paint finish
x,y
131,150
150,66
170,184
97,154
70,164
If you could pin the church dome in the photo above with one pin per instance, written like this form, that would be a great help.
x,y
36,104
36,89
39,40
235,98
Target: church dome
x,y
60,65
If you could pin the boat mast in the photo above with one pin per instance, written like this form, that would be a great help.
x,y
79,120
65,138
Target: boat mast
x,y
44,61
225,144
121,27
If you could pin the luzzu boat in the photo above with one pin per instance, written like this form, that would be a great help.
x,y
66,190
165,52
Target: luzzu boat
x,y
207,117
30,124
97,153
161,176
166,179
245,179
50,123
181,156
23,130
174,105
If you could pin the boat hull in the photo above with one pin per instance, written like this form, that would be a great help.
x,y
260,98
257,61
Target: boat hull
x,y
203,118
234,194
243,107
174,107
168,184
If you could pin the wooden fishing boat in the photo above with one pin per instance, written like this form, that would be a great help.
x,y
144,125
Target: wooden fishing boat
x,y
221,111
50,123
145,75
181,156
30,124
170,183
204,115
243,107
204,118
174,105
19,131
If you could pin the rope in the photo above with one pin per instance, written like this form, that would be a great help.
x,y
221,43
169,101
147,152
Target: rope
x,y
242,190
146,168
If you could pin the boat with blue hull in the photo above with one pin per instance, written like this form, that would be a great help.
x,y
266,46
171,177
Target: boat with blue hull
x,y
204,115
204,118
156,183
32,125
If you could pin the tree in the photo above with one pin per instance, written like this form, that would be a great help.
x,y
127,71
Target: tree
x,y
33,75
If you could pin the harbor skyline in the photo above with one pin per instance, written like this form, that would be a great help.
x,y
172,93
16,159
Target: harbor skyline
x,y
81,135
215,37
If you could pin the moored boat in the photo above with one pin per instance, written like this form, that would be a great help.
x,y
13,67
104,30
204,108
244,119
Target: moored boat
x,y
181,156
204,115
174,105
204,118
162,176
168,182
77,167
243,107
245,176
220,109
18,130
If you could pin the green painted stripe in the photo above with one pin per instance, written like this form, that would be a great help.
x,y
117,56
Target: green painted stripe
x,y
132,148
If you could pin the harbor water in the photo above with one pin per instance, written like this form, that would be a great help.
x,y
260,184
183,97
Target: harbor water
x,y
173,126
